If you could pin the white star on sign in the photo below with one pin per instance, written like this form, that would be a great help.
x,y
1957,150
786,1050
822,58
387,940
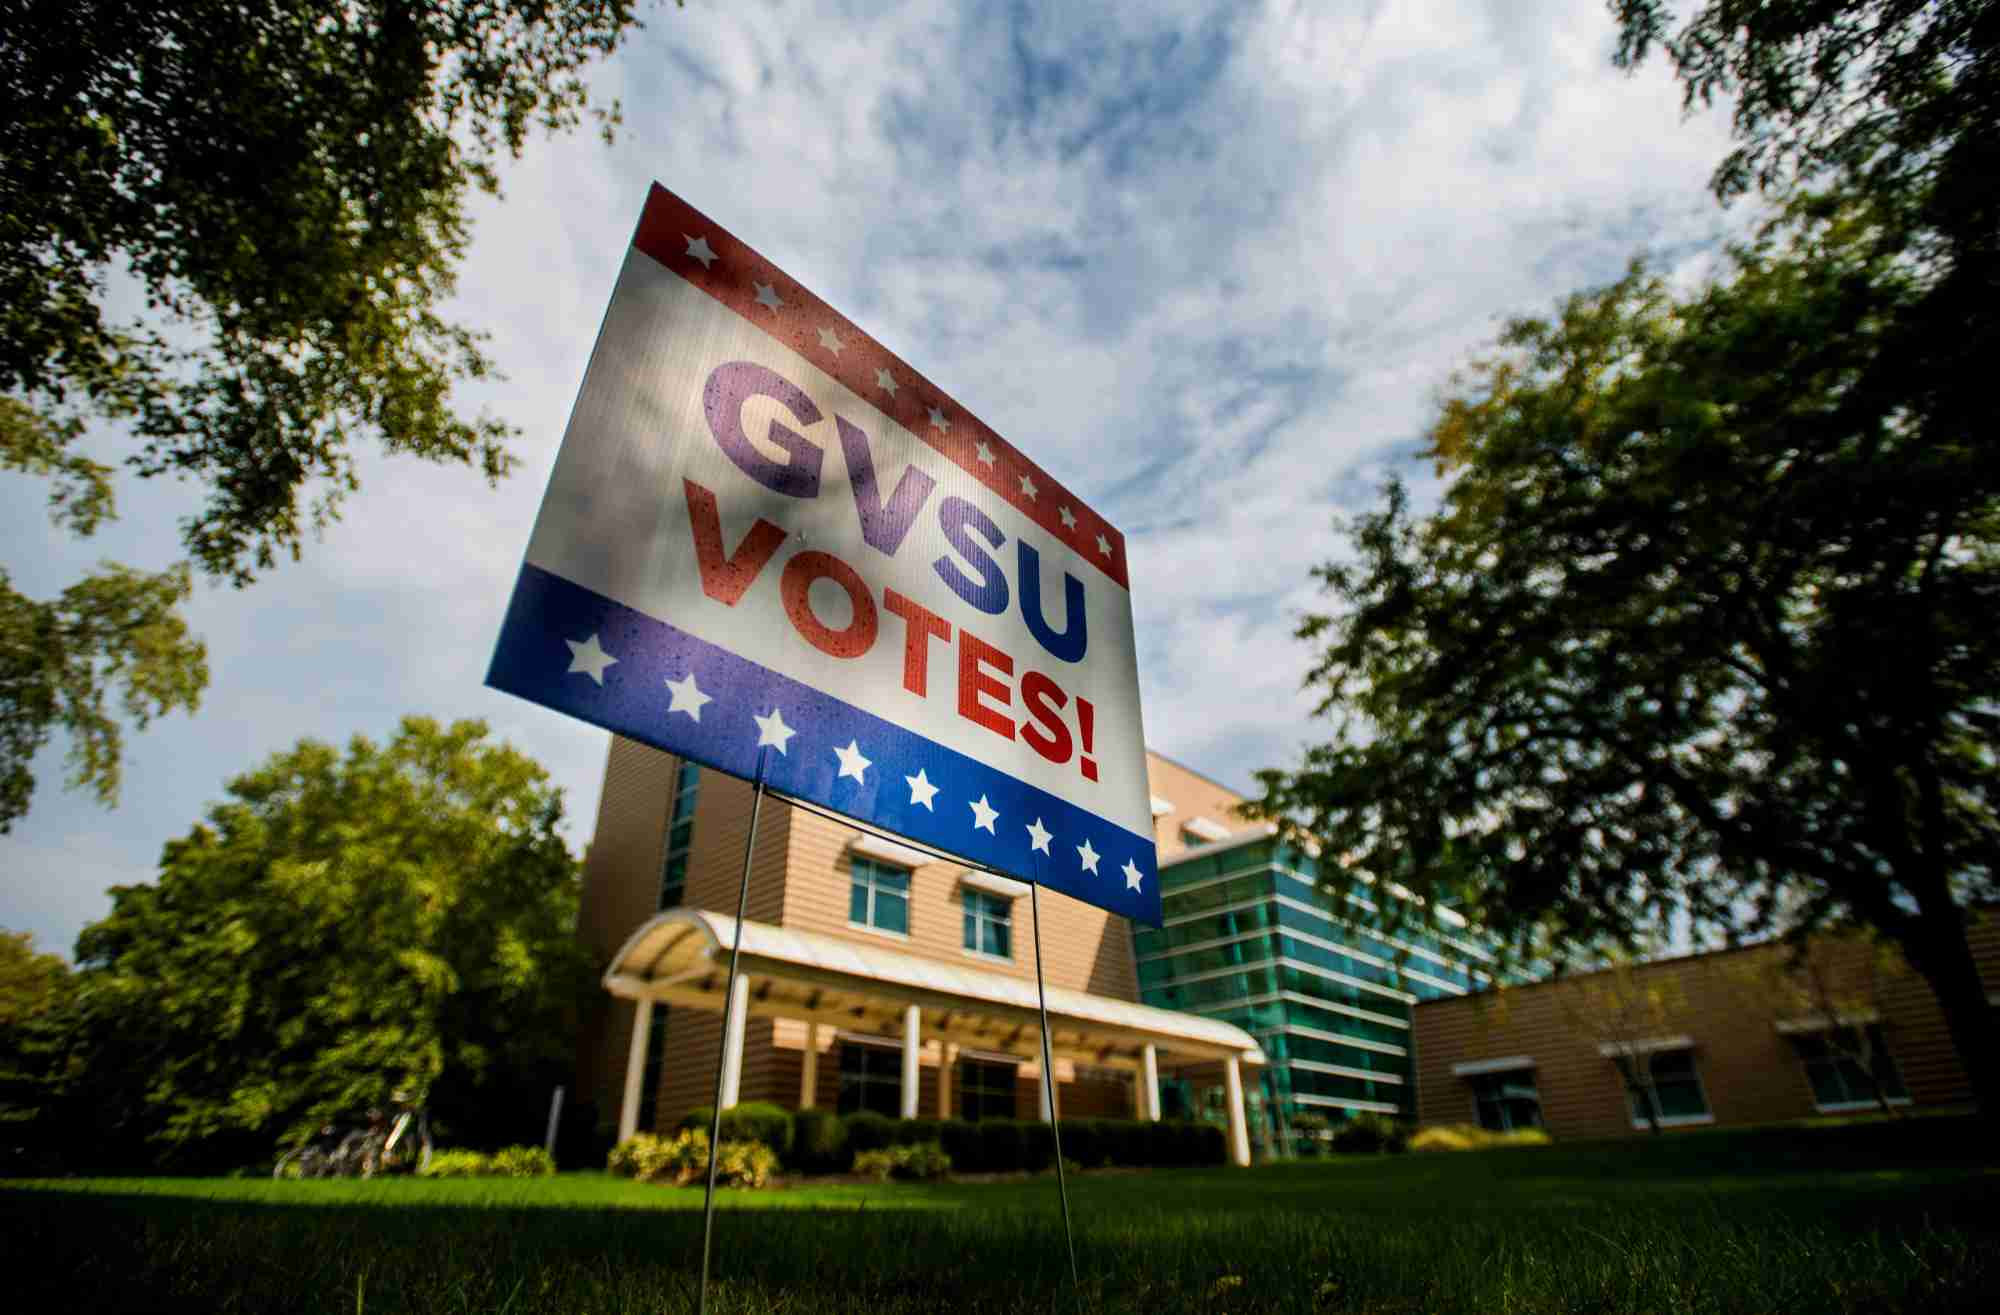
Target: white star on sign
x,y
768,296
985,453
921,789
1089,857
1028,486
983,815
1068,517
1037,837
688,697
771,730
1104,545
699,249
831,341
588,658
938,421
851,762
886,382
1131,872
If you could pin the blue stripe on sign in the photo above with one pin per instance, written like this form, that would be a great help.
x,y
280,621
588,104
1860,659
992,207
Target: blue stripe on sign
x,y
533,660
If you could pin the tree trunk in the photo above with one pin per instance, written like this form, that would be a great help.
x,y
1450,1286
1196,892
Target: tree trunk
x,y
1946,961
1628,1069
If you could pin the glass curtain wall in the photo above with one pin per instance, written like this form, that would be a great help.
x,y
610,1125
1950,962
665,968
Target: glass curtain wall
x,y
1250,940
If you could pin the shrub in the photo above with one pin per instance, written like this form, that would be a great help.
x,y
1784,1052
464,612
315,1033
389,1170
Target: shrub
x,y
753,1120
960,1140
521,1162
456,1164
819,1142
1471,1137
1369,1134
744,1164
919,1161
869,1132
914,1132
1310,1134
683,1159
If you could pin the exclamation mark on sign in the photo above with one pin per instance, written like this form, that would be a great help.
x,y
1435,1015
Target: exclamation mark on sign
x,y
1086,718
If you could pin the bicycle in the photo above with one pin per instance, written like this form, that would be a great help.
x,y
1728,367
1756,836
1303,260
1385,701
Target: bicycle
x,y
381,1147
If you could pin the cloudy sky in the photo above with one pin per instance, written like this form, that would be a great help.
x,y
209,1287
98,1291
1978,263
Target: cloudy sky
x,y
1209,264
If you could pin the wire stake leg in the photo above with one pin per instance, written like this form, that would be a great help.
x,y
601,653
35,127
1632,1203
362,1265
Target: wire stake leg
x,y
729,995
1049,1081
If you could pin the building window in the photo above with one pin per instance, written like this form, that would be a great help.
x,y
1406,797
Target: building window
x,y
1508,1100
871,1078
680,835
880,896
989,924
985,1090
1840,1078
1676,1090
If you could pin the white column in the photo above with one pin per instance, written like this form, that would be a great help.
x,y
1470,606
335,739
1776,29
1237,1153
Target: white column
x,y
809,1069
736,1016
1239,1127
635,1069
1047,1104
1149,1083
947,1057
913,1041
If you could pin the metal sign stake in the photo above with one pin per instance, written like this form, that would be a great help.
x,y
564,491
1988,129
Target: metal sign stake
x,y
721,1059
1049,1080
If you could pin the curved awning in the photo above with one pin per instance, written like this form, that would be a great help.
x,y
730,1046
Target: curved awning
x,y
681,957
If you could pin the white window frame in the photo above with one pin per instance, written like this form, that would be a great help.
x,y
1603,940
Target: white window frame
x,y
854,877
1647,1050
969,899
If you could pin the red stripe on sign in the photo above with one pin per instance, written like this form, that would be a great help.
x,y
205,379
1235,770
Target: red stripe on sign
x,y
707,255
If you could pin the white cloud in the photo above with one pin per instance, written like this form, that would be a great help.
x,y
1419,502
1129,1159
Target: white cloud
x,y
1209,264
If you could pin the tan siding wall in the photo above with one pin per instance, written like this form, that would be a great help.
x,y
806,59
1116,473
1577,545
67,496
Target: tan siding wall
x,y
621,872
1192,795
1727,1003
1083,947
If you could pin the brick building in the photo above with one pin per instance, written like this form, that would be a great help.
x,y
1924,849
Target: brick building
x,y
1742,1036
875,977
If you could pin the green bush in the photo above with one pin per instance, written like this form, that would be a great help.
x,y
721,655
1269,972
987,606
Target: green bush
x,y
921,1160
683,1159
960,1140
521,1162
753,1120
745,1164
869,1132
1471,1137
914,1132
1369,1134
825,1144
1310,1135
456,1164
819,1142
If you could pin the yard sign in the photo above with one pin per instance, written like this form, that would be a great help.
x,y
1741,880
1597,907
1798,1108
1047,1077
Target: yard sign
x,y
774,548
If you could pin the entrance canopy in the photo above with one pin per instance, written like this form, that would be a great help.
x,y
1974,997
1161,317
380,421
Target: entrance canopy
x,y
681,957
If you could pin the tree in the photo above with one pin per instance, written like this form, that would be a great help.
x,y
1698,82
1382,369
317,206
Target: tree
x,y
1703,625
400,919
1620,1007
33,987
1900,95
1831,994
283,187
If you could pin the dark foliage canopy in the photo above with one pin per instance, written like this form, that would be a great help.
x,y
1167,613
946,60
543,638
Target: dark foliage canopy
x,y
228,229
399,918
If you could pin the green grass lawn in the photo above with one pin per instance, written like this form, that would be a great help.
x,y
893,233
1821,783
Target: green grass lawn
x,y
1860,1218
